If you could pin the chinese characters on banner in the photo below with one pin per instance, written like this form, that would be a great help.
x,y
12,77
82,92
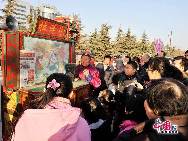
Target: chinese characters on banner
x,y
27,68
56,30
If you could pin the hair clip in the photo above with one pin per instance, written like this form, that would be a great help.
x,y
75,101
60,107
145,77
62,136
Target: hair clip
x,y
53,84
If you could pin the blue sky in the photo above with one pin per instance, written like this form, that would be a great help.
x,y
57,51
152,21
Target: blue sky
x,y
156,17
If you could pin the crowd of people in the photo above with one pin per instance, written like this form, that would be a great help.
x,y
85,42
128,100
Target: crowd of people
x,y
130,98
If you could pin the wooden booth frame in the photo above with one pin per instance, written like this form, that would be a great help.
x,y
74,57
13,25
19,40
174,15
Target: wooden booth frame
x,y
13,42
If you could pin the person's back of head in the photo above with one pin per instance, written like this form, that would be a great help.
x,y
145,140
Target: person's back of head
x,y
145,57
65,84
186,54
186,51
166,102
181,63
164,68
168,97
57,85
157,64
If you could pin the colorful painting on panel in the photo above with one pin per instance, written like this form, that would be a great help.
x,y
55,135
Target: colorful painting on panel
x,y
51,56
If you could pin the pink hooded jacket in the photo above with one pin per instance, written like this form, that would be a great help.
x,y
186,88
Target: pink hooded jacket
x,y
58,122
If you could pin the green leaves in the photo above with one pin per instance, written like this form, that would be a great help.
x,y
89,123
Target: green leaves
x,y
123,44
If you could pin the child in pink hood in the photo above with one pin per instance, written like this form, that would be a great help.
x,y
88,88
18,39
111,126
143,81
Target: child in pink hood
x,y
54,119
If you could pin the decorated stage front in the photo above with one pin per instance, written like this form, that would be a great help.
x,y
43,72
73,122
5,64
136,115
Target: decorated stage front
x,y
28,58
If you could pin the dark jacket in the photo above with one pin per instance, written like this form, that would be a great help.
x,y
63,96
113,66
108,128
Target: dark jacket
x,y
145,131
142,74
121,77
105,75
185,81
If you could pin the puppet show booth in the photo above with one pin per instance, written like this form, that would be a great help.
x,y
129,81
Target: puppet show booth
x,y
29,58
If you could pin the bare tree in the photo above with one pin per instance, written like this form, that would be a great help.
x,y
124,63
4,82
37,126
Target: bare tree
x,y
9,7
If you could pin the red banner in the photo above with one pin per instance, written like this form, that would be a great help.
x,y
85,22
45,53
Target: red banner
x,y
11,61
52,28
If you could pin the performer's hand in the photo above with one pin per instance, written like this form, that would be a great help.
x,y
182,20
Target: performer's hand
x,y
86,72
138,85
76,79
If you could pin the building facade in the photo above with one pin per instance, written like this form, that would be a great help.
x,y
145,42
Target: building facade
x,y
23,10
45,11
48,11
2,5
